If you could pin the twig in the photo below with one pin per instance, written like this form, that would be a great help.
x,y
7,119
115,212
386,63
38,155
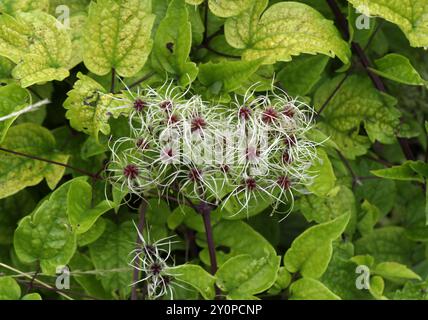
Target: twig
x,y
141,223
333,94
381,161
21,154
113,80
220,53
355,178
35,280
30,284
142,79
205,210
59,290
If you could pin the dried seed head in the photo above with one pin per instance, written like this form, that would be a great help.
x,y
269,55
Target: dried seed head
x,y
139,105
284,182
198,123
250,184
155,268
173,118
245,113
166,105
130,171
195,175
269,115
224,168
142,144
289,110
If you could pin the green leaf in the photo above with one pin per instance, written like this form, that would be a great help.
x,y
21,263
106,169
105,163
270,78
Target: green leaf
x,y
9,289
89,108
282,281
117,36
301,74
379,192
409,15
13,6
245,275
324,179
196,277
369,218
404,172
395,271
357,102
111,252
239,30
76,6
341,199
284,30
413,291
194,2
81,213
340,277
77,26
173,42
80,265
45,235
41,50
311,251
310,289
6,67
228,8
226,76
398,68
386,244
12,99
92,234
32,296
377,286
17,173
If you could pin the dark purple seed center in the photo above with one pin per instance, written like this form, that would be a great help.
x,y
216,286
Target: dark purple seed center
x,y
139,105
155,268
269,115
284,182
130,171
245,113
195,175
166,105
251,184
198,123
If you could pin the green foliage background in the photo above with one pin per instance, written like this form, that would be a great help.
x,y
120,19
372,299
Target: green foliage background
x,y
366,207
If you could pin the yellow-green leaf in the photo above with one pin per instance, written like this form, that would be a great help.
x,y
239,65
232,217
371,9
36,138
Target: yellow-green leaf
x,y
17,172
310,289
311,251
228,8
284,30
39,46
89,108
117,36
410,15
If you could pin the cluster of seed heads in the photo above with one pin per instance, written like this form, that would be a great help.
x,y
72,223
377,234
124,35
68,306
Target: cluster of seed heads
x,y
151,258
254,149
